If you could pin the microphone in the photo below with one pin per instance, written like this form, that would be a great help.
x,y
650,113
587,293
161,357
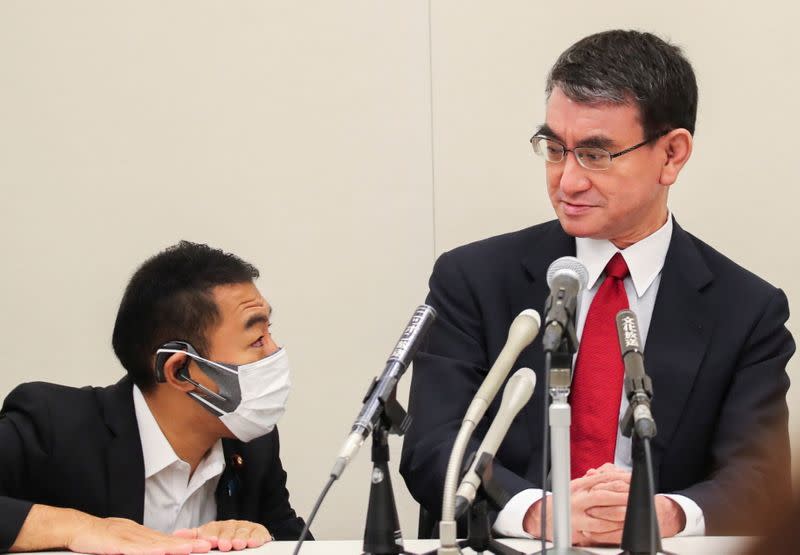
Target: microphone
x,y
566,277
383,388
520,334
638,386
516,394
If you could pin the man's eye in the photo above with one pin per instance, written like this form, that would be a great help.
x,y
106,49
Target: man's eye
x,y
592,155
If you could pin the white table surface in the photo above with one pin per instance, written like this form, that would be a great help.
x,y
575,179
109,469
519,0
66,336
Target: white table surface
x,y
679,546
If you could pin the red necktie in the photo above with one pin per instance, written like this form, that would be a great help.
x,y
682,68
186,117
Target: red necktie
x,y
599,372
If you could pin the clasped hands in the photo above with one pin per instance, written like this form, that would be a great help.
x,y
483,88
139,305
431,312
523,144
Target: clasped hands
x,y
599,500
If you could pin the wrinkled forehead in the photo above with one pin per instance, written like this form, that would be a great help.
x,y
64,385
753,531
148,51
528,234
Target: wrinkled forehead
x,y
241,302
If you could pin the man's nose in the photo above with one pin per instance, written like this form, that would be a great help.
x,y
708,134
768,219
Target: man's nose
x,y
574,177
270,345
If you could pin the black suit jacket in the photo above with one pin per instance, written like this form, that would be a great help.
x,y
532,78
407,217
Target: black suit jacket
x,y
716,351
80,448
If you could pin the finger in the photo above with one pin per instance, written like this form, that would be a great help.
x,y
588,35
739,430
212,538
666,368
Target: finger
x,y
201,546
607,538
171,548
259,535
621,486
190,533
613,514
605,467
135,548
241,536
195,545
611,467
209,532
180,549
179,544
589,481
600,498
225,535
174,547
141,540
591,525
580,539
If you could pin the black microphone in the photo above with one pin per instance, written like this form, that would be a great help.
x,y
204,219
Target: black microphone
x,y
382,389
638,387
566,277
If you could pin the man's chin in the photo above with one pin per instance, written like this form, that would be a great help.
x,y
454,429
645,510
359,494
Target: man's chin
x,y
577,227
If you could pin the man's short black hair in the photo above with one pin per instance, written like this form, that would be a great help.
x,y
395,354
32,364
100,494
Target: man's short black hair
x,y
168,298
630,66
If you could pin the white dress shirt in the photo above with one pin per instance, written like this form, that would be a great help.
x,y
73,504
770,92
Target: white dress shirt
x,y
645,260
174,498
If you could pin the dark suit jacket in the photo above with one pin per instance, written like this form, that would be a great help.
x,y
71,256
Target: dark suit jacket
x,y
716,350
80,448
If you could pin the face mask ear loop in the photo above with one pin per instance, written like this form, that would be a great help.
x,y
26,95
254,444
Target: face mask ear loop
x,y
185,377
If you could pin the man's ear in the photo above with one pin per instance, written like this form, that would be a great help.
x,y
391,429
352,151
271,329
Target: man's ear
x,y
176,366
677,146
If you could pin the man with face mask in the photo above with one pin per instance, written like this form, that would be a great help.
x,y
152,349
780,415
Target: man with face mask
x,y
182,454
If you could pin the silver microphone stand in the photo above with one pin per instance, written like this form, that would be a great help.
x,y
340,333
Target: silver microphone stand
x,y
558,372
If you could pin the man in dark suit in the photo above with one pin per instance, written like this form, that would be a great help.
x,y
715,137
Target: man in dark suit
x,y
181,455
620,119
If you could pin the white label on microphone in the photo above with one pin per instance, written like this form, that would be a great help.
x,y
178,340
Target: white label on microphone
x,y
630,333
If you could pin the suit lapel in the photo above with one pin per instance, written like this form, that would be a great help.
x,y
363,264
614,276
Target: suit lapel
x,y
229,489
551,244
679,334
124,457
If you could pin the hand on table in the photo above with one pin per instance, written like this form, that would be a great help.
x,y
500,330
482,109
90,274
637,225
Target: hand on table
x,y
228,534
106,536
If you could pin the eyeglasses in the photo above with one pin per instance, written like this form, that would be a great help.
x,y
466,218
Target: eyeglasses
x,y
591,158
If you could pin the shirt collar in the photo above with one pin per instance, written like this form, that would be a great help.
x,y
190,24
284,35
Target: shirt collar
x,y
645,258
156,449
157,452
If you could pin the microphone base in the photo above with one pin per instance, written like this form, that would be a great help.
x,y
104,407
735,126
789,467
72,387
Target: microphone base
x,y
382,535
491,546
564,551
646,553
641,534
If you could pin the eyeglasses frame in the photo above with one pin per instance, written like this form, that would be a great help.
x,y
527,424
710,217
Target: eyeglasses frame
x,y
610,155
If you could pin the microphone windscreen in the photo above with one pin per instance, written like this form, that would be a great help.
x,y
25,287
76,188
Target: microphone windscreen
x,y
571,265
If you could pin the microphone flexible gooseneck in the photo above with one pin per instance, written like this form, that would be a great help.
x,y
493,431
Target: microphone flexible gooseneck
x,y
520,334
516,395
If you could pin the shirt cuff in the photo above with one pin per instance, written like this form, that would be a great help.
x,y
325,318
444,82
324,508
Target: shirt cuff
x,y
510,518
695,521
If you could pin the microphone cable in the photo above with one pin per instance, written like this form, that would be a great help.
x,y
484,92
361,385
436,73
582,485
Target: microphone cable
x,y
313,514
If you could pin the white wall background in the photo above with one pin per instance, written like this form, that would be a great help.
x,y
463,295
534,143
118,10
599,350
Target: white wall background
x,y
339,146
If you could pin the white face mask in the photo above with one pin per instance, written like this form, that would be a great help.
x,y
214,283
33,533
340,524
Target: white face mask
x,y
265,388
252,397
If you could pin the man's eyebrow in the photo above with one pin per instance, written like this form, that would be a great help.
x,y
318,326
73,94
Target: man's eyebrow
x,y
597,141
545,131
256,319
593,141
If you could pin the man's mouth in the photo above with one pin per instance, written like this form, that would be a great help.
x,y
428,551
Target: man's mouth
x,y
575,209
